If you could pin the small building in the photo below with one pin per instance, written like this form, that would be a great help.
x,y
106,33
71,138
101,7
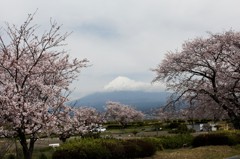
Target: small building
x,y
202,127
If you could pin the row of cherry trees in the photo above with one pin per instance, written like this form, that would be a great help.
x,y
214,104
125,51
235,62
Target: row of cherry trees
x,y
122,113
191,114
82,120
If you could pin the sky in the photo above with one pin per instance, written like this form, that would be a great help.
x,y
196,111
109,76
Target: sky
x,y
124,39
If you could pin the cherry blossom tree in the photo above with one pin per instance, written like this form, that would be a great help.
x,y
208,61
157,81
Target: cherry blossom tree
x,y
194,110
35,74
206,69
173,110
204,108
64,124
122,113
87,120
77,121
166,115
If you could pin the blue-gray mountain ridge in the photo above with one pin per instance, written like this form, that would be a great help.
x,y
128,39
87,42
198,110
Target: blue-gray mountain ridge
x,y
141,100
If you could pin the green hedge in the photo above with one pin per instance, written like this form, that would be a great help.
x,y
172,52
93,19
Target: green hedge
x,y
104,149
139,148
171,142
222,138
186,140
176,141
181,129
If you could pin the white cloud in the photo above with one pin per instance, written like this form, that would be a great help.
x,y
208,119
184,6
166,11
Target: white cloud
x,y
125,37
123,83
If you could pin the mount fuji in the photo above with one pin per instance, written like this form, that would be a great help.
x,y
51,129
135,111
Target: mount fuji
x,y
141,100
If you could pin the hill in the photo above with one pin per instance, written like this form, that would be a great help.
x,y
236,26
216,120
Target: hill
x,y
141,100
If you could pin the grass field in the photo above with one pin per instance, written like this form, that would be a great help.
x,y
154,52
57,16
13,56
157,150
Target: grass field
x,y
41,147
208,152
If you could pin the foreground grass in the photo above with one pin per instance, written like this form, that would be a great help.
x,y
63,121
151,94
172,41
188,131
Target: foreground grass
x,y
208,152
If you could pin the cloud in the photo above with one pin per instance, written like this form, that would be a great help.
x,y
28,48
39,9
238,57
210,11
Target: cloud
x,y
123,83
124,38
100,29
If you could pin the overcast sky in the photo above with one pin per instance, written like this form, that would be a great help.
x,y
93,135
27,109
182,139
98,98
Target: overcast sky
x,y
124,39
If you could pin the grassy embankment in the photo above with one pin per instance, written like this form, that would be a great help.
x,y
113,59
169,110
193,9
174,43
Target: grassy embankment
x,y
208,152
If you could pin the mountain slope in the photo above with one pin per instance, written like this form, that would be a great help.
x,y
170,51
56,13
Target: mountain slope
x,y
140,100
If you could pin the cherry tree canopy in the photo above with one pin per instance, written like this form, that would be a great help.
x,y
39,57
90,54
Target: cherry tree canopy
x,y
34,75
203,108
206,69
122,113
77,121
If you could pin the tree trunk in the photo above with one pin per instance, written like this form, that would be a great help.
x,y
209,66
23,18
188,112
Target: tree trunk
x,y
27,154
235,120
233,115
63,138
27,148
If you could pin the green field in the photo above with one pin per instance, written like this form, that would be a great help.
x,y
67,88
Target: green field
x,y
146,130
208,152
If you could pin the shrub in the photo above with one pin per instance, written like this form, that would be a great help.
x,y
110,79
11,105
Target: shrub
x,y
216,139
69,153
11,156
94,135
172,125
134,132
84,149
182,129
176,141
104,149
146,148
171,142
156,142
114,126
116,149
42,156
131,149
